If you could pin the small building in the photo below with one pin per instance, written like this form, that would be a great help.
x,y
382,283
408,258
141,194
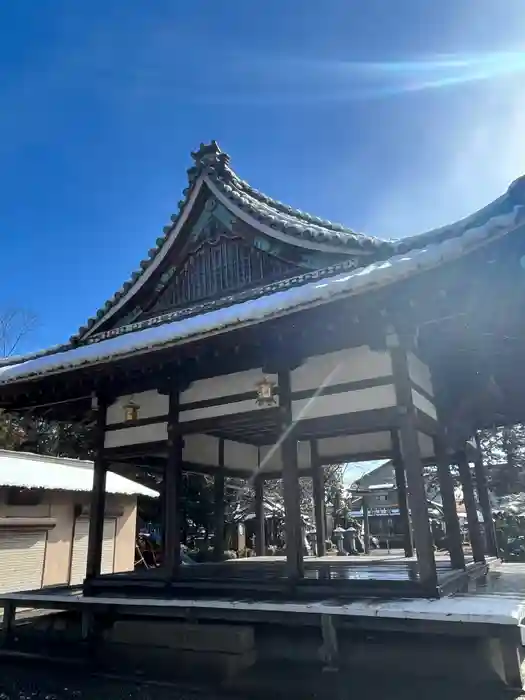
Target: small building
x,y
44,520
383,507
386,521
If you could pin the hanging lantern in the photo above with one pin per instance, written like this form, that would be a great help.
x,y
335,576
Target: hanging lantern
x,y
131,411
265,392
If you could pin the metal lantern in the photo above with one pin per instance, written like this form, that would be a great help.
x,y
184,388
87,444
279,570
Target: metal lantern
x,y
131,411
265,392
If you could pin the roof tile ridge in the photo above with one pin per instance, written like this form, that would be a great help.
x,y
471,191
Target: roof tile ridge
x,y
19,359
231,177
144,264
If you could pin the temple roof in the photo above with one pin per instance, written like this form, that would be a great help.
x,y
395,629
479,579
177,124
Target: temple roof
x,y
212,169
379,263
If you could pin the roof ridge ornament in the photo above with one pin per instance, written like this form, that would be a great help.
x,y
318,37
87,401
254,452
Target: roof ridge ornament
x,y
208,157
516,190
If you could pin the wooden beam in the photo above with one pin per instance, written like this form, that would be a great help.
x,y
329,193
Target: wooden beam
x,y
293,526
219,506
482,488
172,486
474,528
260,535
411,454
98,493
402,494
448,498
318,495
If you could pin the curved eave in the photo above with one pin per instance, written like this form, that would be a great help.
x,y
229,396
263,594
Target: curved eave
x,y
248,214
272,305
267,215
148,267
288,230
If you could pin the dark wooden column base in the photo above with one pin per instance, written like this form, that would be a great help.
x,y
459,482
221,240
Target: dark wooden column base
x,y
411,455
260,534
219,514
98,496
318,496
480,473
446,486
172,486
293,524
474,529
402,496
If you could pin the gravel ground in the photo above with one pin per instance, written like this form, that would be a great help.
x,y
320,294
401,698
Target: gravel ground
x,y
28,681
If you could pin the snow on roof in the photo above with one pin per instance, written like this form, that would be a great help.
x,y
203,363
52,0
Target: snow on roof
x,y
271,305
34,471
354,471
379,487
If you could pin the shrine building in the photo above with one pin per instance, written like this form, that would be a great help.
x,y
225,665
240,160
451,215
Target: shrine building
x,y
261,342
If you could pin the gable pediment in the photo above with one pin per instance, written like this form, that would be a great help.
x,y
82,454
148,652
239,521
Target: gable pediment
x,y
226,237
216,263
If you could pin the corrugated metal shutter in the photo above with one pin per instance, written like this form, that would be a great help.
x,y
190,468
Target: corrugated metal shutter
x,y
22,556
108,546
80,549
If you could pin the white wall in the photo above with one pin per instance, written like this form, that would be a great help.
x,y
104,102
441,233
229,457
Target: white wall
x,y
345,402
419,373
424,404
204,450
137,435
150,403
341,367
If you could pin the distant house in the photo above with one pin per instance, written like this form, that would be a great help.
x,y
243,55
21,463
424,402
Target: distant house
x,y
44,509
383,507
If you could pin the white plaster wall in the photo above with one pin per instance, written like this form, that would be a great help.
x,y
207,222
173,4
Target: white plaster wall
x,y
424,404
426,445
139,434
345,402
419,373
225,409
226,385
270,457
201,449
204,450
238,455
150,403
354,444
341,367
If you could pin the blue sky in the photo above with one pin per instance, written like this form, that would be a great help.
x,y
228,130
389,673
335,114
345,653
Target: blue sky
x,y
392,117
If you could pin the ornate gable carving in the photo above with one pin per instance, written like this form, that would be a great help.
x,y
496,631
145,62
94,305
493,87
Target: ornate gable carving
x,y
218,263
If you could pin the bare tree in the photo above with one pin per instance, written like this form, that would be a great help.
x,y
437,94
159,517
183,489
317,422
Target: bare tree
x,y
15,325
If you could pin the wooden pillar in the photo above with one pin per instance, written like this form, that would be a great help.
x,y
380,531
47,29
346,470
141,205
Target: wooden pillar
x,y
402,495
98,494
482,488
219,506
318,495
366,526
172,486
474,528
411,456
260,535
293,525
448,499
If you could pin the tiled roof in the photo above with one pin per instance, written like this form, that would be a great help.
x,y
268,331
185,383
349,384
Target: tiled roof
x,y
383,262
213,165
35,471
272,301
